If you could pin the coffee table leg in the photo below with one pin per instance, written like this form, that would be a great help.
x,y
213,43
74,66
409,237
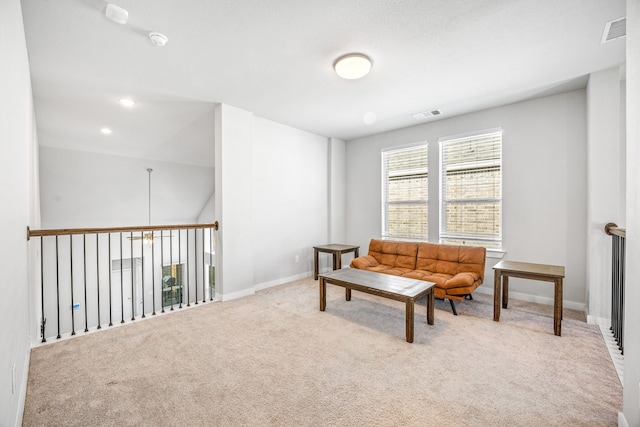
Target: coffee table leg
x,y
323,294
430,307
347,294
409,325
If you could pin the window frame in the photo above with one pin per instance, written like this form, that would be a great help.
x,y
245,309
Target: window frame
x,y
494,241
422,236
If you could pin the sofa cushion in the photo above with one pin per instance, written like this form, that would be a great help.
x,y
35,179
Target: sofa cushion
x,y
394,253
450,259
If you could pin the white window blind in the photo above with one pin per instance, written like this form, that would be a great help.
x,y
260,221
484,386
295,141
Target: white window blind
x,y
404,193
471,190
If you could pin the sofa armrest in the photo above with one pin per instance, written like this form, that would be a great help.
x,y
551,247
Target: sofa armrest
x,y
462,279
364,262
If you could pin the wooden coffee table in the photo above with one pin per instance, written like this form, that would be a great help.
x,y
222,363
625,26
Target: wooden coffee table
x,y
383,285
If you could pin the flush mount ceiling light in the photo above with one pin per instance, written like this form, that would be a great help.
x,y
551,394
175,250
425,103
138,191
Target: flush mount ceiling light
x,y
352,66
126,102
116,14
158,39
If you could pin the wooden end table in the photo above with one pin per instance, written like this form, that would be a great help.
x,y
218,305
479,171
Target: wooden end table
x,y
525,270
383,285
337,251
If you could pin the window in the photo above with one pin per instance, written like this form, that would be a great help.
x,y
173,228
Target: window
x,y
404,193
471,190
172,284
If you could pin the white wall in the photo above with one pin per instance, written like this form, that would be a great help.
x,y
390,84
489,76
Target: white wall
x,y
544,186
83,189
271,199
604,193
19,189
290,190
631,395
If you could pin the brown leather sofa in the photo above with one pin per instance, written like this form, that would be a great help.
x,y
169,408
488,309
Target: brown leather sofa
x,y
456,270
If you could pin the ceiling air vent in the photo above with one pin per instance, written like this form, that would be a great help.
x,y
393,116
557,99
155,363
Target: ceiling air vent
x,y
614,30
426,114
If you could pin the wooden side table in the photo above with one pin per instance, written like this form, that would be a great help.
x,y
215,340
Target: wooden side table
x,y
337,251
525,270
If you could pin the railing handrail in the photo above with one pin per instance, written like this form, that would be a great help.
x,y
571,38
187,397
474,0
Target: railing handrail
x,y
68,231
613,229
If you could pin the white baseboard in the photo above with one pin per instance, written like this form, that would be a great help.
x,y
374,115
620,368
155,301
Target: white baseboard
x,y
259,287
23,386
536,299
622,421
282,281
600,321
616,357
234,295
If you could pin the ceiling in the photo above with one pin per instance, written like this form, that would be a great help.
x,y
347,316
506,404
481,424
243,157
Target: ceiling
x,y
274,58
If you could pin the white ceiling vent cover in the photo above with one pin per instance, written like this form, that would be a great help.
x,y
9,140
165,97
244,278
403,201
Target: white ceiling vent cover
x,y
614,30
426,114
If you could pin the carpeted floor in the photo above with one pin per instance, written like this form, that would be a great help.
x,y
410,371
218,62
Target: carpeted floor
x,y
273,359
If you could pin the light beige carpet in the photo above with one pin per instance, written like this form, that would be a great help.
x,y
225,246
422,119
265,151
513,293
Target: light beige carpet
x,y
273,359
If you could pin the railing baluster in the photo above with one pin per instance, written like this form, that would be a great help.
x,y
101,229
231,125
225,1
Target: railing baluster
x,y
204,267
195,252
188,273
142,256
121,284
133,293
73,327
153,273
58,287
161,265
211,279
110,270
98,277
84,266
171,264
179,263
43,320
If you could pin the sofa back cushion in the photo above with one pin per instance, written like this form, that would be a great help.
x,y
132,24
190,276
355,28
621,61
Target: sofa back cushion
x,y
394,253
450,259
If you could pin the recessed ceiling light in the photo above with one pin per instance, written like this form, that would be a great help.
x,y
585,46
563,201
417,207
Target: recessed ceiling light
x,y
127,102
352,66
106,131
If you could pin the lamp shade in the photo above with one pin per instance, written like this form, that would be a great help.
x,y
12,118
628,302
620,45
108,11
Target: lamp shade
x,y
352,66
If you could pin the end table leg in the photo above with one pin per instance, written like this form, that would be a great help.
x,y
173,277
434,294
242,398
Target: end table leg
x,y
315,264
497,291
409,325
323,294
337,260
430,307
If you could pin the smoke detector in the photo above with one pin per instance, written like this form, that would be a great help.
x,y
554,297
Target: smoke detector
x,y
158,39
116,14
